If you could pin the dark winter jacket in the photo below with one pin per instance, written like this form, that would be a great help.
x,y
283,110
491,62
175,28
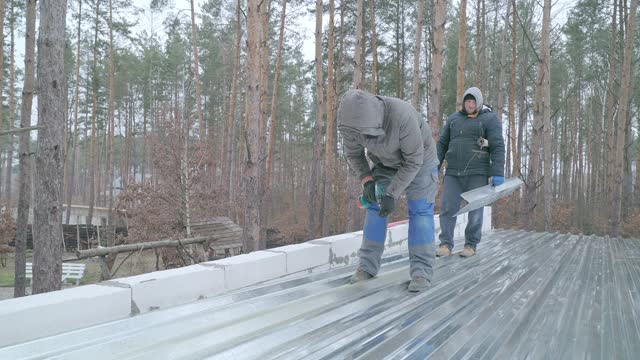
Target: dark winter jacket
x,y
458,143
392,131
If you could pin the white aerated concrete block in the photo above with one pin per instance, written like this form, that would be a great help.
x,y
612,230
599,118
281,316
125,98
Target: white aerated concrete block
x,y
248,269
162,289
456,231
397,233
303,256
486,225
395,247
47,314
462,219
404,246
436,225
343,248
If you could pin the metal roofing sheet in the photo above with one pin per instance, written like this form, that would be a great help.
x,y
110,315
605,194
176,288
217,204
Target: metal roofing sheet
x,y
524,295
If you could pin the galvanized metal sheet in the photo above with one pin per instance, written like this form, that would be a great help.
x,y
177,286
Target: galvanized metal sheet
x,y
488,194
524,295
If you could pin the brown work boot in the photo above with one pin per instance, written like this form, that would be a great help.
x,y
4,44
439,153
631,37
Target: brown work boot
x,y
419,283
443,250
360,275
468,251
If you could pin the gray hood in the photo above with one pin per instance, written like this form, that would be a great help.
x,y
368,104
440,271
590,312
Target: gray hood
x,y
361,112
477,94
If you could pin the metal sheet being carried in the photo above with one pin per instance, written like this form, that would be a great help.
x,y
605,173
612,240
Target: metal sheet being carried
x,y
486,195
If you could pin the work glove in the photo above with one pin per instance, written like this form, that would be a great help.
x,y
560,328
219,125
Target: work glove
x,y
387,204
497,180
369,191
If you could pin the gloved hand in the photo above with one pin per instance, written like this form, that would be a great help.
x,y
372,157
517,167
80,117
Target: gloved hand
x,y
497,180
387,204
369,191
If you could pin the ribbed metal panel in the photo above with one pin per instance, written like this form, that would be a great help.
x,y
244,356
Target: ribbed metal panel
x,y
524,295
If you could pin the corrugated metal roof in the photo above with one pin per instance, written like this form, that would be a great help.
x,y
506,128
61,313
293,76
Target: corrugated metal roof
x,y
524,295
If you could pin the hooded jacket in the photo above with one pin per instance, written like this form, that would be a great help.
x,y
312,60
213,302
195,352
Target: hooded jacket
x,y
392,132
458,143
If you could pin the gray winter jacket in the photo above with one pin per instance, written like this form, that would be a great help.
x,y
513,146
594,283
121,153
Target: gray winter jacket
x,y
458,143
393,133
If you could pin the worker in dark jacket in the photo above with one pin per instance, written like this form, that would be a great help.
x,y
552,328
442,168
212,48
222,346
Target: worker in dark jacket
x,y
472,144
400,146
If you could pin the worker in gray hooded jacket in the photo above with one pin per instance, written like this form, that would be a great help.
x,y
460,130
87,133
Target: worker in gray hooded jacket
x,y
400,146
472,144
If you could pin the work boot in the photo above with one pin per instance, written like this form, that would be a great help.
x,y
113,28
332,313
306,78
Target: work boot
x,y
360,275
418,283
468,251
443,250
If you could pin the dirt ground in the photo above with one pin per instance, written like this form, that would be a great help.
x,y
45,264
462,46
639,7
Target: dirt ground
x,y
137,263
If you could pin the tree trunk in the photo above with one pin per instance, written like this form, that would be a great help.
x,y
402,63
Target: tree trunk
x,y
232,107
47,225
507,169
374,49
251,241
94,110
2,14
416,57
479,47
12,106
579,173
546,115
315,200
274,101
522,121
573,143
24,194
428,48
111,163
196,71
537,136
503,60
512,92
610,153
351,188
597,147
637,189
435,94
70,178
588,160
402,51
363,53
627,181
143,157
555,154
329,209
265,10
359,47
625,96
462,46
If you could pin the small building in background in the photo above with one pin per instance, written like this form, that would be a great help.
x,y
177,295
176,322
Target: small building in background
x,y
79,215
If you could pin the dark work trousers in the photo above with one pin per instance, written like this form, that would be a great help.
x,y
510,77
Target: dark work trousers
x,y
450,204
